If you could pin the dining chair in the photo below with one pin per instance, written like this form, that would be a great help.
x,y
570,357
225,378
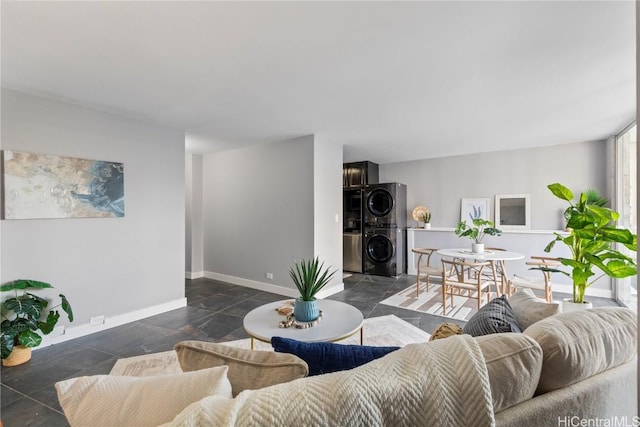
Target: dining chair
x,y
455,277
543,283
425,269
497,272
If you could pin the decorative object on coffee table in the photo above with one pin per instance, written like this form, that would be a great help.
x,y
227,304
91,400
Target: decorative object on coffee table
x,y
22,314
309,276
592,233
339,321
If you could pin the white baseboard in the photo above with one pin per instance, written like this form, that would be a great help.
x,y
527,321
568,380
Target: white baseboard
x,y
73,332
194,275
270,287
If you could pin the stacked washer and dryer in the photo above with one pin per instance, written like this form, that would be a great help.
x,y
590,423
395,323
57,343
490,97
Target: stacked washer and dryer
x,y
385,221
375,220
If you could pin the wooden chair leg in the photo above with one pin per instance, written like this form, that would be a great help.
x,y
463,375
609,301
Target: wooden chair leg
x,y
418,279
444,299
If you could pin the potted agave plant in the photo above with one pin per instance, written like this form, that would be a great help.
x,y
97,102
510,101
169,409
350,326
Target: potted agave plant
x,y
591,239
476,231
309,276
426,217
22,316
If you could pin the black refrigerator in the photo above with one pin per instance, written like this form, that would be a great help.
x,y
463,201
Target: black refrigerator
x,y
352,231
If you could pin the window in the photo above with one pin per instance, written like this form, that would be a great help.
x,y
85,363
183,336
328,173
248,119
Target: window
x,y
626,290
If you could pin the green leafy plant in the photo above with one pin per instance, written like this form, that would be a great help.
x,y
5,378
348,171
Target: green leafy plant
x,y
426,216
481,227
310,277
591,239
22,314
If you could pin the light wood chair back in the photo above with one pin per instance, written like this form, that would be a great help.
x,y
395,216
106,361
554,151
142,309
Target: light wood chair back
x,y
543,285
424,267
457,279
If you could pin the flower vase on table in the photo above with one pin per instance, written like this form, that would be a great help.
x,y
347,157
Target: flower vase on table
x,y
306,311
310,277
477,248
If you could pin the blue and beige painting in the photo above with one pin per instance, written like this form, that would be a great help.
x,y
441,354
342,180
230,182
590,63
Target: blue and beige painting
x,y
49,186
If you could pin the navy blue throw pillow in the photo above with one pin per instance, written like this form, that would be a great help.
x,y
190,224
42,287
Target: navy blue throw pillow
x,y
493,318
325,357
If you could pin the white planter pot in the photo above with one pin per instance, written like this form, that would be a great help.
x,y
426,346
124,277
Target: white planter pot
x,y
568,305
427,226
477,248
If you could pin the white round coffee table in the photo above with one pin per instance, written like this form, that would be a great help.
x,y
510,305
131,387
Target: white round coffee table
x,y
339,321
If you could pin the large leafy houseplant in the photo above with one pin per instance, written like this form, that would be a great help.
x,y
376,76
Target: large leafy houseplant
x,y
24,314
477,230
591,239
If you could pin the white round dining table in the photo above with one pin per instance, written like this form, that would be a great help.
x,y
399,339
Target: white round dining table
x,y
496,258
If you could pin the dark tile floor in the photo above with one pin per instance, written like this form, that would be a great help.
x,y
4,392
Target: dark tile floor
x,y
214,313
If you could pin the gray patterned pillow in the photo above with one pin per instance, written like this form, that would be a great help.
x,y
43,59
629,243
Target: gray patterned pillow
x,y
493,318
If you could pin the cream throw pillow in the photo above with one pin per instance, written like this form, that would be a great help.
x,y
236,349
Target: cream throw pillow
x,y
514,363
579,344
106,400
530,309
248,369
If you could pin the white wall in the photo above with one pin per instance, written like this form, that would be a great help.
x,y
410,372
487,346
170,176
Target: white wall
x,y
112,267
262,213
327,183
258,210
439,184
193,216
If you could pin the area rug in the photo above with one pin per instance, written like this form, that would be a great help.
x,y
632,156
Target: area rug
x,y
430,302
379,331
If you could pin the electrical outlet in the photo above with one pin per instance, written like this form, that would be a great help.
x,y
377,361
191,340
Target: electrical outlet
x,y
270,276
97,320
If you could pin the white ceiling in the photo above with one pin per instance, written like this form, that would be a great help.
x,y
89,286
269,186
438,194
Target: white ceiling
x,y
392,81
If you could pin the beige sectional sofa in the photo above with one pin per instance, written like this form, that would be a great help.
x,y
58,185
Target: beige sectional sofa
x,y
564,370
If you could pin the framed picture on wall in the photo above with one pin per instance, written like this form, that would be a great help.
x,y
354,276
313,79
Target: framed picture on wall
x,y
49,186
471,209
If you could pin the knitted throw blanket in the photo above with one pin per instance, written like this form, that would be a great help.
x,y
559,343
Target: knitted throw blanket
x,y
442,383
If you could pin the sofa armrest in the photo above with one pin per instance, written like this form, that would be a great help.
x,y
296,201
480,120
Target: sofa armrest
x,y
610,394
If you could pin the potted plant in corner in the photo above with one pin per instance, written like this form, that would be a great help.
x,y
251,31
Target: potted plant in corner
x,y
21,319
310,277
476,232
591,239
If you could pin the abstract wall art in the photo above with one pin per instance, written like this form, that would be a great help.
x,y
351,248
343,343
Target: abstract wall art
x,y
49,186
471,209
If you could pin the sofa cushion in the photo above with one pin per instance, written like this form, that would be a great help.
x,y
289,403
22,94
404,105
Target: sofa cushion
x,y
325,357
107,400
248,369
440,383
530,309
514,363
579,344
494,317
445,330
